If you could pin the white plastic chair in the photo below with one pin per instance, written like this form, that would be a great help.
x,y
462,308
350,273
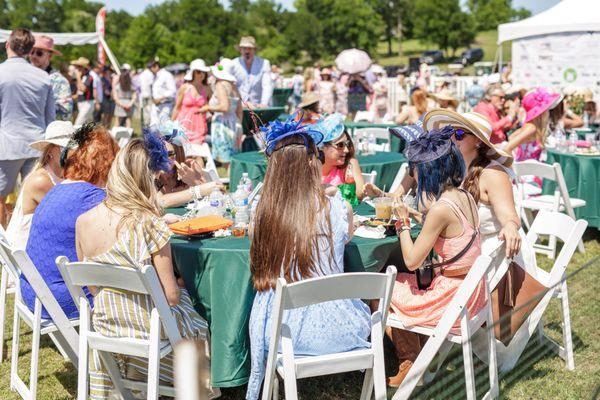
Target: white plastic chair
x,y
4,291
364,116
559,201
121,134
399,177
370,177
570,233
441,339
59,328
363,285
143,281
378,134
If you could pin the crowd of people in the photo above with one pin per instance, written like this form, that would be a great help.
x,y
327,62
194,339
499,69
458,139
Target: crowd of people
x,y
84,197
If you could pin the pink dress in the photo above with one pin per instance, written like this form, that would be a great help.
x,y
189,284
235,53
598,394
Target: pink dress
x,y
335,177
193,122
425,307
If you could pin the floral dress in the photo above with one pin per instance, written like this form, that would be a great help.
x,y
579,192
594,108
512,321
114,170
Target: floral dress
x,y
119,313
223,131
323,328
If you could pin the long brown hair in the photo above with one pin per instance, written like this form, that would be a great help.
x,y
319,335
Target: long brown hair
x,y
471,182
419,100
351,150
287,226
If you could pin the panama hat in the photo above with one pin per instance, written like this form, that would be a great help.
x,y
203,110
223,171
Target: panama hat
x,y
247,41
537,101
57,132
81,62
309,99
446,95
220,70
45,43
474,122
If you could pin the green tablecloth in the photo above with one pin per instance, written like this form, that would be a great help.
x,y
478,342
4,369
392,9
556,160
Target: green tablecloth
x,y
281,96
581,132
217,276
264,115
386,164
582,176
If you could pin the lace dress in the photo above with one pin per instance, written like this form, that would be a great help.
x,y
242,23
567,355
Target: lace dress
x,y
324,328
223,131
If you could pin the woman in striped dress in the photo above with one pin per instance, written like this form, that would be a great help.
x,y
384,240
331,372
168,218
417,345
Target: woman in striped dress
x,y
126,230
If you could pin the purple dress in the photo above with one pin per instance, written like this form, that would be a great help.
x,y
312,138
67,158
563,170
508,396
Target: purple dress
x,y
52,234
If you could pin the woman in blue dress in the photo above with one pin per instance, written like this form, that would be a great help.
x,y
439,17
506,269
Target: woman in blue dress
x,y
86,161
300,233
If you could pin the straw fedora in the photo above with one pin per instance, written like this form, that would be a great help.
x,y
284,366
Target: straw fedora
x,y
588,95
81,62
247,41
308,99
57,132
446,95
45,43
475,123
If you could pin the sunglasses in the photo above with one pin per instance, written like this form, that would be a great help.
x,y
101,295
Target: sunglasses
x,y
460,134
171,153
342,145
38,53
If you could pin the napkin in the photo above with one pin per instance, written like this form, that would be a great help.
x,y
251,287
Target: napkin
x,y
377,232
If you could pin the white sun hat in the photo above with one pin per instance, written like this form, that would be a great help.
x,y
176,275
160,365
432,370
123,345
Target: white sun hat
x,y
57,132
221,70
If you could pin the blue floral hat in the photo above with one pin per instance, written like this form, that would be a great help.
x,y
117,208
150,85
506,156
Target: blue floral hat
x,y
331,127
157,151
430,147
275,131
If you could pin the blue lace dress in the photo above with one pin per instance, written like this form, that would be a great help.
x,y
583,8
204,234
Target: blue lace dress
x,y
223,134
52,234
325,328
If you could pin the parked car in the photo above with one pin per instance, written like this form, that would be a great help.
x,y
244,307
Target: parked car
x,y
470,56
432,57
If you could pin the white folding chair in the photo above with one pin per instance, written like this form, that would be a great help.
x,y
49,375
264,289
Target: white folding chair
x,y
4,291
363,285
441,339
570,233
364,116
378,134
370,177
399,177
59,328
121,134
143,281
559,201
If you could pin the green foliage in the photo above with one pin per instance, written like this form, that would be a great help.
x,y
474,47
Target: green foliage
x,y
490,13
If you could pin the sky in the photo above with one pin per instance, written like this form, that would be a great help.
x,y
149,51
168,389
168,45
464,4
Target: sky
x,y
137,6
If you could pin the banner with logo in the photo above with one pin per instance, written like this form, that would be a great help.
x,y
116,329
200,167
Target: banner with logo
x,y
558,60
100,21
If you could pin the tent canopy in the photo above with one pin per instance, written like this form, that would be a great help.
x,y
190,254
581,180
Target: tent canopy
x,y
566,16
77,39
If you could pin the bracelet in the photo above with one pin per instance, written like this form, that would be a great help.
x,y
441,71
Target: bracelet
x,y
402,223
195,192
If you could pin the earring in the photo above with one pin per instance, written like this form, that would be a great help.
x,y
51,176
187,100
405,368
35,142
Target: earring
x,y
50,156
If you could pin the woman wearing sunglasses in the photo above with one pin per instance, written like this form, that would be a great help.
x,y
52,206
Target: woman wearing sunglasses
x,y
340,167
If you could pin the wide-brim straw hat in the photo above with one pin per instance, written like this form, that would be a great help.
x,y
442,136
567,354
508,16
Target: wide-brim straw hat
x,y
474,122
57,132
446,95
247,41
81,62
309,99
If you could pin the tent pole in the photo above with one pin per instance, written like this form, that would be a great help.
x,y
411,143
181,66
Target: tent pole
x,y
500,60
111,56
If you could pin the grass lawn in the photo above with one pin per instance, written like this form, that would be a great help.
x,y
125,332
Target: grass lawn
x,y
540,374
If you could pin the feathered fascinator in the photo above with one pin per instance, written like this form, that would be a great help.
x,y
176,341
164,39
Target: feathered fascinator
x,y
157,152
331,127
275,131
430,147
172,131
79,137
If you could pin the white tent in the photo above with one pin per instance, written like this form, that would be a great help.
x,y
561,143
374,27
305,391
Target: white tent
x,y
558,47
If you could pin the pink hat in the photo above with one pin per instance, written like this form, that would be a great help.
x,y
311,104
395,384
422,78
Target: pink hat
x,y
537,101
45,43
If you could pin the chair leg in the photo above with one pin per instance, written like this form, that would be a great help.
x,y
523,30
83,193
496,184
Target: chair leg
x,y
540,330
567,340
14,360
492,357
3,287
35,348
83,356
275,388
154,357
581,247
378,363
367,387
467,348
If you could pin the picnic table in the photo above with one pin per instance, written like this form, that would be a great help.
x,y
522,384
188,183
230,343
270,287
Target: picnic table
x,y
582,177
217,276
386,164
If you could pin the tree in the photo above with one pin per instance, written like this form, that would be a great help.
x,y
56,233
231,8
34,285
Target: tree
x,y
397,18
442,22
489,14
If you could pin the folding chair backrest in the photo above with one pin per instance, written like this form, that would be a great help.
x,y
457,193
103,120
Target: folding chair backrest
x,y
121,132
532,167
563,227
362,116
143,281
399,177
7,259
370,177
378,133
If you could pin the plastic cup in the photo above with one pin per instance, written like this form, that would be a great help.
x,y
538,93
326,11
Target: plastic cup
x,y
383,207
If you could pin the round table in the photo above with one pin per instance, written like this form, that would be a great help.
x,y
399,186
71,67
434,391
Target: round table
x,y
582,176
217,276
386,164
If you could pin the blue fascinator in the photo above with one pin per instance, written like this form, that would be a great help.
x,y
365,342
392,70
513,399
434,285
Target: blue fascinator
x,y
157,152
430,147
409,132
172,131
275,131
331,127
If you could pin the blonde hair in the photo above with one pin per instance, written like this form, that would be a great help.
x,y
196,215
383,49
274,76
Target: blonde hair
x,y
130,186
44,158
541,123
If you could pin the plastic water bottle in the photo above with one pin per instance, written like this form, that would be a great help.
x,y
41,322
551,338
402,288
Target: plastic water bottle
x,y
246,183
216,199
363,145
240,203
573,142
372,144
586,120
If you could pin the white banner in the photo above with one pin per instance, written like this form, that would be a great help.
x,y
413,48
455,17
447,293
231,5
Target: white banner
x,y
557,61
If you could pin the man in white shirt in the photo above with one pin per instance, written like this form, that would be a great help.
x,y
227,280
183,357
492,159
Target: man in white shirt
x,y
252,75
146,79
164,91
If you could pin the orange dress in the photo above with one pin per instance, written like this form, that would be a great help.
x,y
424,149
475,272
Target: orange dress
x,y
414,306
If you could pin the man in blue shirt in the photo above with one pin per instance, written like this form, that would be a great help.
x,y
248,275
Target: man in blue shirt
x,y
26,108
